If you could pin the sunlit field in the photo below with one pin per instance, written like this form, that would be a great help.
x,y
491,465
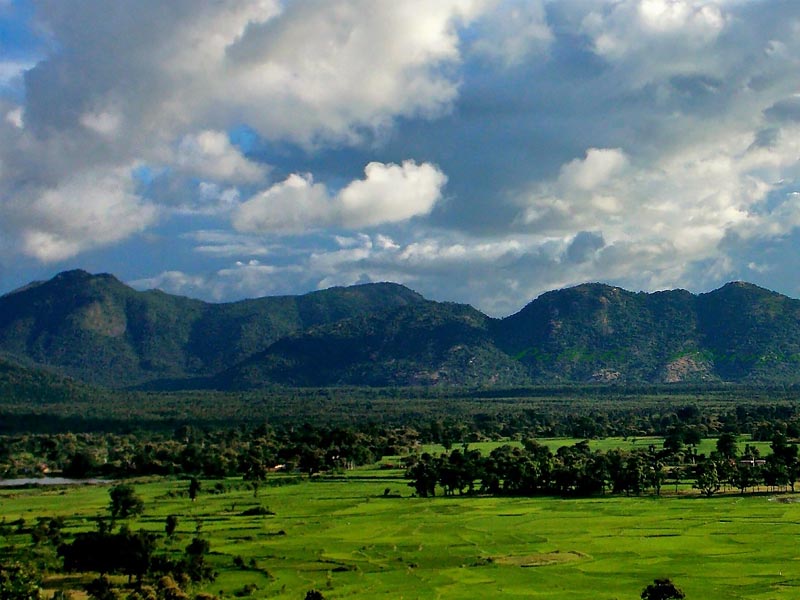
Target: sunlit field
x,y
368,538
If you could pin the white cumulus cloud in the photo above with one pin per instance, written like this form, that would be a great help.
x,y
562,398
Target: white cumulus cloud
x,y
161,84
87,211
389,193
210,154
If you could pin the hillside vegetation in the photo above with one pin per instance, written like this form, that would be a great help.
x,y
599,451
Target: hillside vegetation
x,y
97,330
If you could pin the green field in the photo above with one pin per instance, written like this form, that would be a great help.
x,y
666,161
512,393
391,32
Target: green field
x,y
347,540
706,445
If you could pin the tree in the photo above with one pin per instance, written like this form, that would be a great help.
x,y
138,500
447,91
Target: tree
x,y
123,552
81,464
195,562
194,487
18,582
136,552
168,589
101,589
726,445
707,478
662,589
314,595
124,502
255,472
171,525
424,475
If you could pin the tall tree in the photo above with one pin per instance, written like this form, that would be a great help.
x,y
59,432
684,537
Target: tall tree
x,y
125,502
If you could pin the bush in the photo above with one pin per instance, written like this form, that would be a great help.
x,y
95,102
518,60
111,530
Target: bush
x,y
257,511
247,590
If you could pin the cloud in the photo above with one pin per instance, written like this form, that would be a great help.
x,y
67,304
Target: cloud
x,y
14,117
784,110
332,69
598,168
161,84
665,216
12,71
584,246
87,211
210,154
292,206
665,36
389,193
650,143
303,71
512,32
249,279
456,269
104,123
220,243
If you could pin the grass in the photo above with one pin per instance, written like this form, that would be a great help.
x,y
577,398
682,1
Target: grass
x,y
344,538
706,446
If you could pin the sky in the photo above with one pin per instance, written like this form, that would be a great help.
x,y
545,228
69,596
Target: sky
x,y
477,151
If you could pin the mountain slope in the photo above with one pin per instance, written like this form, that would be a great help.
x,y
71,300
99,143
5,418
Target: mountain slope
x,y
425,344
97,329
595,332
750,333
20,384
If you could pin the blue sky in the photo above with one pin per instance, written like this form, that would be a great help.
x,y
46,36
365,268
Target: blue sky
x,y
480,151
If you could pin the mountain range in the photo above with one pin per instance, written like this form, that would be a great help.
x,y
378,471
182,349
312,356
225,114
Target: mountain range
x,y
97,330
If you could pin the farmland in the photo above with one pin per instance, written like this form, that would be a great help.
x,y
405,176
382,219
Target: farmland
x,y
351,538
612,499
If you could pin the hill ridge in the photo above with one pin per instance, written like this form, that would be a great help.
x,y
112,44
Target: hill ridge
x,y
99,330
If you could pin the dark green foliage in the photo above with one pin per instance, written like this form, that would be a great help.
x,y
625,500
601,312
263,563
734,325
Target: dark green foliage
x,y
195,565
534,470
707,478
101,331
726,446
37,386
170,525
662,589
247,590
81,464
257,511
19,582
124,502
314,595
750,333
423,344
48,529
101,589
124,552
97,329
194,488
168,589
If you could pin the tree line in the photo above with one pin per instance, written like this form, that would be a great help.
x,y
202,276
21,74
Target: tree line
x,y
252,451
248,452
577,470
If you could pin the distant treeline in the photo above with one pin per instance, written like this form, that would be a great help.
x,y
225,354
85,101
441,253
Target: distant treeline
x,y
363,428
251,453
577,470
539,411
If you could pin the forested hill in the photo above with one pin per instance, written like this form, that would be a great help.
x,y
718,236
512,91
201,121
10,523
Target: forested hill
x,y
98,330
20,385
95,328
740,332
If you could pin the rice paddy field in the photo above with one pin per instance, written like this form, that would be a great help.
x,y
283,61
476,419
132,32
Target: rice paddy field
x,y
363,536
